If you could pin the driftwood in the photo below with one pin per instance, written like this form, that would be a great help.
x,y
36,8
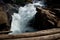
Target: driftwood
x,y
4,32
48,37
40,35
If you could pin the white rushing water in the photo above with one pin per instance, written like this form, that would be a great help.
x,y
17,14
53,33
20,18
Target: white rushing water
x,y
39,3
20,20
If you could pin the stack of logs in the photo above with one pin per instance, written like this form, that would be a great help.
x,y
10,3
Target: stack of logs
x,y
51,34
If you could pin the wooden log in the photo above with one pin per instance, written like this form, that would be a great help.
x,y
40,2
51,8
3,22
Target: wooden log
x,y
32,34
47,37
4,32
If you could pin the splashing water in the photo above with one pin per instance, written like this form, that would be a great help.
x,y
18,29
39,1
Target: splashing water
x,y
20,20
40,3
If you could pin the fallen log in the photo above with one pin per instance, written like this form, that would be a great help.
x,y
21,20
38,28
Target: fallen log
x,y
47,37
34,34
4,32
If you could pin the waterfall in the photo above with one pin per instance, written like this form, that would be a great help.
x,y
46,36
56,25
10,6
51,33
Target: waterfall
x,y
20,20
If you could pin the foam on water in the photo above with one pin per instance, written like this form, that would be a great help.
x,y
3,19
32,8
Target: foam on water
x,y
39,3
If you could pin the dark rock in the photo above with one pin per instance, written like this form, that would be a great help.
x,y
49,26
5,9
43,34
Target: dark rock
x,y
40,21
53,3
4,23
